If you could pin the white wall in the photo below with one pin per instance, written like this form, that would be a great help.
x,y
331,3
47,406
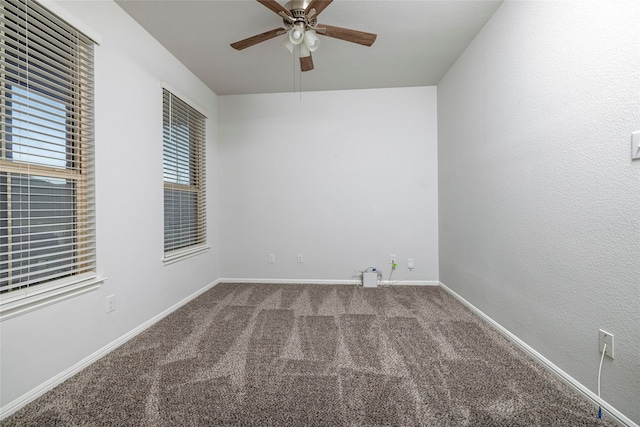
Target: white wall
x,y
345,177
539,200
130,66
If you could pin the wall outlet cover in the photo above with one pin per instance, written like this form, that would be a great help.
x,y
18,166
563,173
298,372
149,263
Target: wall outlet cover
x,y
111,304
606,337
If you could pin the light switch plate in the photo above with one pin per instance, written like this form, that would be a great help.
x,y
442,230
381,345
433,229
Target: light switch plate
x,y
635,145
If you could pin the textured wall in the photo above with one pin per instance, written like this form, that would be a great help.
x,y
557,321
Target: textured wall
x,y
539,200
343,177
130,66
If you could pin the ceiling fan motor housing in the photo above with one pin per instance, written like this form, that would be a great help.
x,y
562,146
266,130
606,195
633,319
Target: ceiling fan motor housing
x,y
297,8
297,5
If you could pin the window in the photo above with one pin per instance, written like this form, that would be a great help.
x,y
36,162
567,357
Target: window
x,y
184,178
47,228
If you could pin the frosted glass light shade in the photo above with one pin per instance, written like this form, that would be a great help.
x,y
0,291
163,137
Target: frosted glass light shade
x,y
304,51
288,45
296,35
311,40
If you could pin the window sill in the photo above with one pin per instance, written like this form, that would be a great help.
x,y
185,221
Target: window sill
x,y
179,255
22,301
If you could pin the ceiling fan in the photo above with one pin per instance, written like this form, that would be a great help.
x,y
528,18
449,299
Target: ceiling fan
x,y
301,26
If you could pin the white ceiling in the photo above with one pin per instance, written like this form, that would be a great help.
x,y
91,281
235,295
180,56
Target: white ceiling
x,y
417,42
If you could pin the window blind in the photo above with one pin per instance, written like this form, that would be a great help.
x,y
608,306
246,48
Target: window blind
x,y
47,221
184,174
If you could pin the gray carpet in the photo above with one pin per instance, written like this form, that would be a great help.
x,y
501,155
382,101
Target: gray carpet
x,y
314,355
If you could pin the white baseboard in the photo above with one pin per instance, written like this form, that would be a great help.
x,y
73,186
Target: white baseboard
x,y
613,413
38,391
411,283
329,282
291,281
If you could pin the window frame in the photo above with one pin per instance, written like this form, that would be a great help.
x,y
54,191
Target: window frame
x,y
77,148
197,172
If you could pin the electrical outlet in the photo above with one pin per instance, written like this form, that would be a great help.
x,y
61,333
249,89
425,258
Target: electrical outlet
x,y
606,337
410,264
300,258
111,303
393,258
272,258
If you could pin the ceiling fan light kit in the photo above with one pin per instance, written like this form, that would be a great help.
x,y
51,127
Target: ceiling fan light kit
x,y
311,40
302,29
304,51
296,35
286,43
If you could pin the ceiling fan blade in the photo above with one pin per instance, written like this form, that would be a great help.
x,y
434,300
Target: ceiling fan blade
x,y
353,36
318,5
275,6
243,44
306,63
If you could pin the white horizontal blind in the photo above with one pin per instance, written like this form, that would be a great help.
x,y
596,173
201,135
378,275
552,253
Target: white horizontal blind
x,y
47,222
184,174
